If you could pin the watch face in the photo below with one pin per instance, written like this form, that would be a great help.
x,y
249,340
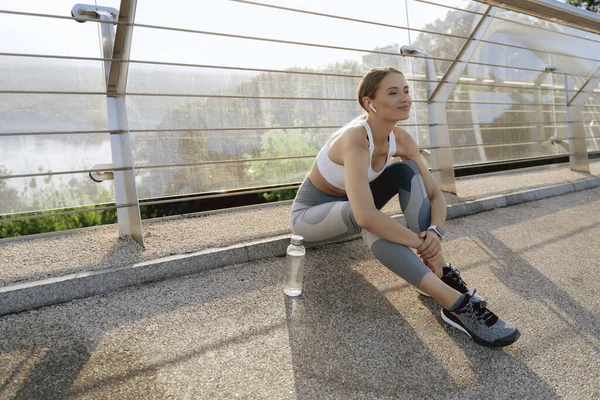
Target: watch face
x,y
440,231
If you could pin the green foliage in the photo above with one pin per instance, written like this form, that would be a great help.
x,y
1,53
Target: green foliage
x,y
42,195
280,195
590,5
56,223
282,143
9,196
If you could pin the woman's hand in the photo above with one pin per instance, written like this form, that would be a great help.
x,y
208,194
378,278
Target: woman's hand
x,y
436,264
431,246
431,252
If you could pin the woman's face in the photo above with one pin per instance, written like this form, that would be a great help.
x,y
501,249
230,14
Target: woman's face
x,y
392,100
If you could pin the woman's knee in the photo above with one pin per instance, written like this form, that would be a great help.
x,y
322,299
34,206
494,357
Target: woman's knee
x,y
413,165
406,167
324,222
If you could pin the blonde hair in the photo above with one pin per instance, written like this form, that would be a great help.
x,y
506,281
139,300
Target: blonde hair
x,y
370,82
368,86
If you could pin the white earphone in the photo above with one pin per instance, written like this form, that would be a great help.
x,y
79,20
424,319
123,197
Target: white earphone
x,y
372,108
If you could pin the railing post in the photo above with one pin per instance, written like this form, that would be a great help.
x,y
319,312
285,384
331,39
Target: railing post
x,y
116,48
578,155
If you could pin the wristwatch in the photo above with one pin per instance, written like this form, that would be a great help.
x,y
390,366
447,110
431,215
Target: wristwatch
x,y
441,233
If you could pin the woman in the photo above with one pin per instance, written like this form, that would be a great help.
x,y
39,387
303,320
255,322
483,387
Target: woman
x,y
350,181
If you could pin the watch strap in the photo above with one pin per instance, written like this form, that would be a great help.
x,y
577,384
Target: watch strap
x,y
439,231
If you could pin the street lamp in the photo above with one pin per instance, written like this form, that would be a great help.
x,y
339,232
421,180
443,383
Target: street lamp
x,y
430,74
441,152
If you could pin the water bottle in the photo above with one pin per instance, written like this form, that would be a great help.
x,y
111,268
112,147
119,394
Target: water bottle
x,y
294,267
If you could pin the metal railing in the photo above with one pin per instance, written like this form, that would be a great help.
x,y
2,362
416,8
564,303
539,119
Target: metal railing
x,y
465,87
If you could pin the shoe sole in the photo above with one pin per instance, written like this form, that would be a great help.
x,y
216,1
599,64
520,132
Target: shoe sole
x,y
422,293
505,341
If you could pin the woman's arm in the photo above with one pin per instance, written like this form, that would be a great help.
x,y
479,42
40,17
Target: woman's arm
x,y
356,163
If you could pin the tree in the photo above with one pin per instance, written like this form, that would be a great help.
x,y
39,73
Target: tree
x,y
282,143
590,5
10,197
45,196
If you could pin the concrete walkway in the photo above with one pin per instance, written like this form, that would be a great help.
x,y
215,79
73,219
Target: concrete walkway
x,y
357,332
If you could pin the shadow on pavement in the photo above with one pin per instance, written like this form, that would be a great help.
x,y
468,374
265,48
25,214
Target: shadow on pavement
x,y
529,283
349,342
69,358
498,374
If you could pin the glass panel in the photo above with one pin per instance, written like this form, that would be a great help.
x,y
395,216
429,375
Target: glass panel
x,y
444,19
563,30
465,136
544,45
498,54
53,153
220,177
271,23
160,148
54,7
437,19
421,134
592,132
52,192
511,77
416,7
501,113
394,12
503,153
148,113
47,112
253,54
539,93
591,121
213,81
268,23
36,74
37,35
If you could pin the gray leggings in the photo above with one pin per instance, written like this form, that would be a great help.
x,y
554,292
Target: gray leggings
x,y
318,216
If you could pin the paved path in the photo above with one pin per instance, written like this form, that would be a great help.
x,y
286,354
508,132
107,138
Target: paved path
x,y
358,331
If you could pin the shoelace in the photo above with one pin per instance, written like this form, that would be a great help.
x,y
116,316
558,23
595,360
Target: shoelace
x,y
456,279
481,312
455,276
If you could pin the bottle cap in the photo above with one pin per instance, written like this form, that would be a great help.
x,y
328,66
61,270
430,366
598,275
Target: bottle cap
x,y
297,240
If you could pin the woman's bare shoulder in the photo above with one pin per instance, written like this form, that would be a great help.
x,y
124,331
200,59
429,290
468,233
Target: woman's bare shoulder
x,y
348,139
406,145
402,134
355,135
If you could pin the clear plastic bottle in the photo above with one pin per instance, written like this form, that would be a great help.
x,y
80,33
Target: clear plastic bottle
x,y
294,267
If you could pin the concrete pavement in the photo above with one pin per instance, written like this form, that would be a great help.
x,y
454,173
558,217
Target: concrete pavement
x,y
357,332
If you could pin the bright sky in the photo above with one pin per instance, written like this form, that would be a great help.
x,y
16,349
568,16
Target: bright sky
x,y
20,34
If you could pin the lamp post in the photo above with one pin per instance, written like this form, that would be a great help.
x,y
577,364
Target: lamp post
x,y
441,153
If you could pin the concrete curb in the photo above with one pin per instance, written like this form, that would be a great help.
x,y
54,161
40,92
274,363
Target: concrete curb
x,y
26,296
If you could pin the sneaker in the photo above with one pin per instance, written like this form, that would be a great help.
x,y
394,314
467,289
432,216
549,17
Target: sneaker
x,y
452,278
480,324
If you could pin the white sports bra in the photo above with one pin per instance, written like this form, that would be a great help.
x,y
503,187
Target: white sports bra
x,y
334,173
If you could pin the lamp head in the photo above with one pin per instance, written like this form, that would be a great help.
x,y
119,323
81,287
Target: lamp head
x,y
409,50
